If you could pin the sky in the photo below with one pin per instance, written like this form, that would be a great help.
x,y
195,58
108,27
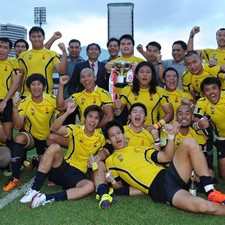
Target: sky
x,y
163,21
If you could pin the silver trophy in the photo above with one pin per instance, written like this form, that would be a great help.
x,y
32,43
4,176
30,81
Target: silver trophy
x,y
122,69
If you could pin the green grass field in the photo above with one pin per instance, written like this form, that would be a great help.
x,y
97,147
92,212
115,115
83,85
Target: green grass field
x,y
126,210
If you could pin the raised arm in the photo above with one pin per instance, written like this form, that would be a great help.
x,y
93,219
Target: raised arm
x,y
57,35
61,67
190,43
61,103
57,126
167,154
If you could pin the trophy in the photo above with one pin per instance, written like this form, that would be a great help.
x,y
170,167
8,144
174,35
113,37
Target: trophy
x,y
121,75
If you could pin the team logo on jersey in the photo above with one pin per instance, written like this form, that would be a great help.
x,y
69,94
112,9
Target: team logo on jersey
x,y
32,111
30,57
82,101
6,68
120,158
47,110
212,108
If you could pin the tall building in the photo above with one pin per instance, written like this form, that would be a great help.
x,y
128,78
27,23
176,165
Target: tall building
x,y
13,32
120,19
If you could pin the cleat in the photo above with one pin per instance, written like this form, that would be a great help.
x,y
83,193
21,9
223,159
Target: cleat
x,y
106,201
216,197
12,184
28,196
39,200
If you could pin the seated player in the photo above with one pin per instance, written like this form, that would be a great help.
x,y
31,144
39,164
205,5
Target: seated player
x,y
196,72
91,95
164,185
33,118
69,171
135,131
209,109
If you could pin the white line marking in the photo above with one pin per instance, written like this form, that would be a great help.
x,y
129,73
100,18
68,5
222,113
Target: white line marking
x,y
15,194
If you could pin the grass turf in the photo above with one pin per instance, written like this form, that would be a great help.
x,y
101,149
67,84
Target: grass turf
x,y
125,210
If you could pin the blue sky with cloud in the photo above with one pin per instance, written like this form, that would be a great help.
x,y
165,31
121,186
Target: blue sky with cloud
x,y
163,21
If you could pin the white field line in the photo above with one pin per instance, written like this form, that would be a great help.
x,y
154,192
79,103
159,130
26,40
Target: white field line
x,y
15,194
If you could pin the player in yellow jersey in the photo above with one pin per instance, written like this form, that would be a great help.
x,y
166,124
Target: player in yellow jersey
x,y
91,95
130,163
175,96
127,52
197,72
33,118
213,56
69,171
211,108
41,60
145,91
135,132
9,81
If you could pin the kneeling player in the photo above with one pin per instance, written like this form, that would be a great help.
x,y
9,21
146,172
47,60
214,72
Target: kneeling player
x,y
33,117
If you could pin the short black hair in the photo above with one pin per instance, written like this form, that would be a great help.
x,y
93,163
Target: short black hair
x,y
209,81
6,40
21,40
109,125
128,37
190,53
111,40
36,29
170,69
94,108
181,43
221,29
74,40
36,77
93,44
155,44
138,104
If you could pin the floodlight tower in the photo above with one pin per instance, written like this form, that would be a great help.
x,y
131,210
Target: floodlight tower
x,y
40,15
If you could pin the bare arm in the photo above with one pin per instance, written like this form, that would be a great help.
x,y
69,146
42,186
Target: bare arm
x,y
16,80
61,67
167,154
168,111
57,124
190,43
61,103
18,120
57,35
108,115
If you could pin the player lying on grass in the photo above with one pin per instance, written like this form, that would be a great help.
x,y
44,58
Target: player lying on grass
x,y
140,168
69,171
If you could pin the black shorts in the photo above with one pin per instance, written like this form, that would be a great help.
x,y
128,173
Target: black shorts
x,y
6,115
220,146
166,184
40,145
66,176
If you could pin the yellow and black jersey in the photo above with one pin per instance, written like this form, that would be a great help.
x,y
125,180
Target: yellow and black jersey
x,y
6,68
217,54
38,61
152,102
192,82
175,98
84,99
199,137
81,146
134,165
38,116
131,59
215,111
142,138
